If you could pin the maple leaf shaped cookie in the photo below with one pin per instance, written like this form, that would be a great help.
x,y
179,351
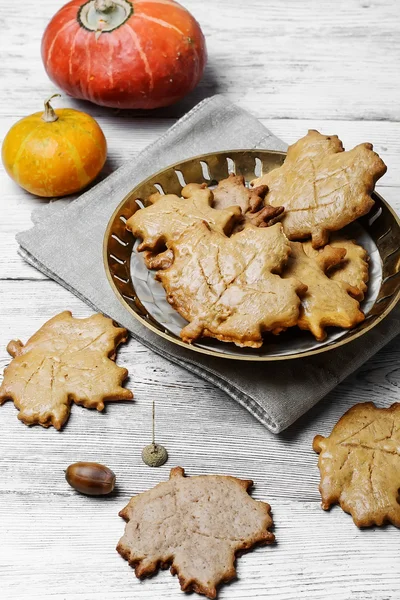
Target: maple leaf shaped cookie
x,y
326,302
229,288
353,269
321,187
196,525
360,464
232,191
66,360
168,216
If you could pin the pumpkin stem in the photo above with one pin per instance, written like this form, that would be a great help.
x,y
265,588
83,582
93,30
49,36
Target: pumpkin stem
x,y
104,6
104,15
49,115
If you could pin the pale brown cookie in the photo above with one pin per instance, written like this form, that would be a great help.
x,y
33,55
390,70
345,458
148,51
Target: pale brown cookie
x,y
232,191
158,260
353,269
229,288
326,302
321,187
229,194
360,464
67,360
168,216
195,525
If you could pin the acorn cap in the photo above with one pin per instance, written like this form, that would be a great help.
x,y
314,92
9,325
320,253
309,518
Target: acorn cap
x,y
154,455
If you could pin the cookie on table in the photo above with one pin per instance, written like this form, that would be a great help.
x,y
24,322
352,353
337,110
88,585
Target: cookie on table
x,y
67,360
195,525
359,463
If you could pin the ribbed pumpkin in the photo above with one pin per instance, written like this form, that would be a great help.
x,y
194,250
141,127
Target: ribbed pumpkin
x,y
124,53
54,153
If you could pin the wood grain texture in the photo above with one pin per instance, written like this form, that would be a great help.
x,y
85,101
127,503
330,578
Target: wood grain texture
x,y
293,569
306,59
329,65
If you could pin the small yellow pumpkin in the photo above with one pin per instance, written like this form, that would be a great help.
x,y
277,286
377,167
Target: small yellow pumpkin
x,y
55,153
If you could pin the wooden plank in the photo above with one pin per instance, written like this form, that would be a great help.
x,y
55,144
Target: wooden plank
x,y
332,66
336,59
318,555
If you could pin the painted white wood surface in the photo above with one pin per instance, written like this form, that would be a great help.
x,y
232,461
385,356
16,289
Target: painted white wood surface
x,y
330,65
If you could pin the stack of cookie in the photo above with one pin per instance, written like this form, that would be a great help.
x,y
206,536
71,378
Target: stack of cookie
x,y
237,262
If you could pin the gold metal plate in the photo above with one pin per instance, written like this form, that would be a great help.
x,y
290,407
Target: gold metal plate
x,y
134,285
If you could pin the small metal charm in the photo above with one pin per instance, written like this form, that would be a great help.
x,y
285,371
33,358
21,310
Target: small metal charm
x,y
154,455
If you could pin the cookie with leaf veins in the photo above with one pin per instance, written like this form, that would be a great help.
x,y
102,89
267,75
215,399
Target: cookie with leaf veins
x,y
321,187
196,526
353,269
359,464
67,360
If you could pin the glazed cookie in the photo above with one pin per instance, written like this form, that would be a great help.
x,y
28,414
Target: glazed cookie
x,y
326,302
353,269
360,464
67,360
321,187
230,288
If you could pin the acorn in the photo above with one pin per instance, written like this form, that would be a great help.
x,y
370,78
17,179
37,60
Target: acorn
x,y
91,479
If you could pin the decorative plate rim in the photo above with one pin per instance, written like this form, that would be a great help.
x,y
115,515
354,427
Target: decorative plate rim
x,y
265,358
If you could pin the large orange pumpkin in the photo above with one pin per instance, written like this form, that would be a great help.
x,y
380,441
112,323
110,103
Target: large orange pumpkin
x,y
124,53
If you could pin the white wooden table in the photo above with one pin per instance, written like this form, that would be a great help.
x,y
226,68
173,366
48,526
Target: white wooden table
x,y
331,65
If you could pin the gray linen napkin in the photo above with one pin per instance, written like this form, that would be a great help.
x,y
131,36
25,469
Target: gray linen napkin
x,y
66,244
